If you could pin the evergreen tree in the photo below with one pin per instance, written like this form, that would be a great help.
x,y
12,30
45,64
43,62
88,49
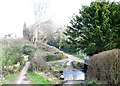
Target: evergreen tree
x,y
96,28
26,32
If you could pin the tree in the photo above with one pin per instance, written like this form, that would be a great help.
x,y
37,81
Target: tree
x,y
96,28
26,33
39,10
33,33
45,31
40,7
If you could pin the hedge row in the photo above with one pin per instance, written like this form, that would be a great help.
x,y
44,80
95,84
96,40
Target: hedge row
x,y
105,67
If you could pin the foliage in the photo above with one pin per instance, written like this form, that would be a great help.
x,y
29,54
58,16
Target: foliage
x,y
40,51
92,83
55,66
29,49
26,33
95,29
11,52
45,31
38,63
105,67
37,79
54,56
78,65
78,55
11,57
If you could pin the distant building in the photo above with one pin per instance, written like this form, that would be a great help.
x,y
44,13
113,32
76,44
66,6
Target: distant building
x,y
10,35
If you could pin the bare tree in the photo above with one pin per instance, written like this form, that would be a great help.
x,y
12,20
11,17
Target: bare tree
x,y
42,30
39,9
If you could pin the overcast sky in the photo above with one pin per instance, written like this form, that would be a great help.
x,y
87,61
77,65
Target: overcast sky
x,y
13,13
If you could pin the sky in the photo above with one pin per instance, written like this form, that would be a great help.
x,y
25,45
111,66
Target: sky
x,y
13,13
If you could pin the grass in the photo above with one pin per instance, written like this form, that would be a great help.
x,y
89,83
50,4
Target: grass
x,y
8,79
9,38
37,79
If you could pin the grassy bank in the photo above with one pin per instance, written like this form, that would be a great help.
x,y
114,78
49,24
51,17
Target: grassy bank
x,y
37,79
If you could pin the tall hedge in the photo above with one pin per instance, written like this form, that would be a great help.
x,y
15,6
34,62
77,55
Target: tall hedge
x,y
105,67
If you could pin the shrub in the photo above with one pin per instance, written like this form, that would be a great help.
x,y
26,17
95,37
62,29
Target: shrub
x,y
55,66
54,56
38,64
29,49
105,67
11,52
11,56
78,65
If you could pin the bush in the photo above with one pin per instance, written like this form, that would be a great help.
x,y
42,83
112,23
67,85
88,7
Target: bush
x,y
54,56
29,49
78,65
55,66
105,67
11,56
38,64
